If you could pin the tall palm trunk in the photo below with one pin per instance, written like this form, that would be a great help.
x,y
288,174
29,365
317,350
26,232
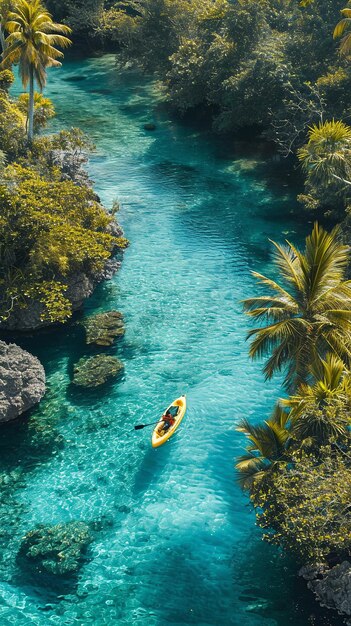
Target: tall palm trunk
x,y
2,40
31,104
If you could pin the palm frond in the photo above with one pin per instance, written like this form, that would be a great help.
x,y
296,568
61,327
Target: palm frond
x,y
32,40
288,263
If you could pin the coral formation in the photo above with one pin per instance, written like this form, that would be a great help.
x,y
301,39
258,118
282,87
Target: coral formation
x,y
96,370
56,549
103,328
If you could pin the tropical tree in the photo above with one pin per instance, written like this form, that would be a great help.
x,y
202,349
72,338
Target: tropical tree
x,y
327,155
322,410
341,28
31,43
310,315
304,506
266,447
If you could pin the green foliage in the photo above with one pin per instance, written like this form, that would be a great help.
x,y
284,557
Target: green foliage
x,y
310,314
342,30
267,446
60,157
321,411
250,63
12,127
326,161
6,79
305,506
48,230
82,16
13,120
43,109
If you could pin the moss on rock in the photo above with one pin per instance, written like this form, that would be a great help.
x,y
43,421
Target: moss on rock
x,y
56,549
103,328
96,370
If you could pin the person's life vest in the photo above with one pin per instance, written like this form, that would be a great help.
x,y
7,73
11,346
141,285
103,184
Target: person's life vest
x,y
170,419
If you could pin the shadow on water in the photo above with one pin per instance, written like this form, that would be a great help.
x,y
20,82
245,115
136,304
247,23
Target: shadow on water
x,y
150,467
44,587
30,440
88,396
205,593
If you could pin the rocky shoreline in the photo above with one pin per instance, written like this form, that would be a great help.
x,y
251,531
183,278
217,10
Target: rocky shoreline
x,y
22,381
331,587
80,286
22,376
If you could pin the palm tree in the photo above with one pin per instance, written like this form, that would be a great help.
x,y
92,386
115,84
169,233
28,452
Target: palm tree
x,y
310,315
322,410
31,43
327,155
339,31
267,446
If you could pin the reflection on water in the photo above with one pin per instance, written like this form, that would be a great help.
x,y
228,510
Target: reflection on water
x,y
174,539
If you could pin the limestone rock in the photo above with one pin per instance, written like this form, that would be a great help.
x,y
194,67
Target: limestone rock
x,y
334,589
22,381
96,370
310,572
103,328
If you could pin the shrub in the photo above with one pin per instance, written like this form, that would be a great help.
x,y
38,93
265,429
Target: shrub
x,y
43,109
48,230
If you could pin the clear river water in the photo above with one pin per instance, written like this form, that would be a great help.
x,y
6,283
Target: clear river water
x,y
175,540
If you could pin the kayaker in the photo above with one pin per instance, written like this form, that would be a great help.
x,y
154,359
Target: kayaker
x,y
168,420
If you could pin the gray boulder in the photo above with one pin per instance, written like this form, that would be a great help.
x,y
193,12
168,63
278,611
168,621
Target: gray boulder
x,y
22,381
333,590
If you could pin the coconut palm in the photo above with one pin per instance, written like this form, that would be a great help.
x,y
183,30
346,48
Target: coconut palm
x,y
310,315
327,155
267,446
322,410
341,28
31,43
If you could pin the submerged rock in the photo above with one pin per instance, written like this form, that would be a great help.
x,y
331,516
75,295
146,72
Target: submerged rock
x,y
75,78
149,126
96,370
22,381
56,549
103,328
334,589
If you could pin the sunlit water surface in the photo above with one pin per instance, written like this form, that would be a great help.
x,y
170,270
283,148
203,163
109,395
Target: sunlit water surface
x,y
175,540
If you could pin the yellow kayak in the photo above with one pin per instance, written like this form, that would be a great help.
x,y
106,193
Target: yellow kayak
x,y
159,436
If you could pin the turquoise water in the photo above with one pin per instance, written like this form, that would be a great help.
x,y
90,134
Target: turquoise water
x,y
175,540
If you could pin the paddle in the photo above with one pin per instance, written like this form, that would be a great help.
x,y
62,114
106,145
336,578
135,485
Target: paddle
x,y
140,426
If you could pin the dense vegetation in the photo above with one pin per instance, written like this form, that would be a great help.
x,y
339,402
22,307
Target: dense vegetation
x,y
271,67
51,223
297,465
